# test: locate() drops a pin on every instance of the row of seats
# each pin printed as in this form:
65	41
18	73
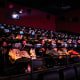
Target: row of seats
39	64
65	73
62	73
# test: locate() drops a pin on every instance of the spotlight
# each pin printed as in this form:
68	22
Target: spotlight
14	16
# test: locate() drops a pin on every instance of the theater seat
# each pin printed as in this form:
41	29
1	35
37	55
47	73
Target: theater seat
38	63
52	75
77	70
68	74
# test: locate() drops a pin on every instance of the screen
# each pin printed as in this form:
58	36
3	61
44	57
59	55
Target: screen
33	33
37	45
6	30
21	32
2	27
13	28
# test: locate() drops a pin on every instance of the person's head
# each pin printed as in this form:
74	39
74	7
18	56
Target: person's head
78	41
4	44
55	49
42	42
58	41
23	42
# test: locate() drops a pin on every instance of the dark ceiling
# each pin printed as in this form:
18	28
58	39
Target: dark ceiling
51	6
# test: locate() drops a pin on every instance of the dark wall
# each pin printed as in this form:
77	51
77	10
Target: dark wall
35	18
69	21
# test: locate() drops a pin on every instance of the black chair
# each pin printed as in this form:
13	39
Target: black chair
77	70
38	63
51	75
67	74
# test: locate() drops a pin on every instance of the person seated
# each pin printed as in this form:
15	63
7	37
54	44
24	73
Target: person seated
53	44
43	48
58	43
64	44
78	44
18	44
64	51
3	52
33	34
23	44
18	36
33	53
69	42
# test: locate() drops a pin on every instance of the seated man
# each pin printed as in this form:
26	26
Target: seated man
43	48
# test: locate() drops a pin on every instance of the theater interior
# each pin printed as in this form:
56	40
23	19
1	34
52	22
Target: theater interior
39	40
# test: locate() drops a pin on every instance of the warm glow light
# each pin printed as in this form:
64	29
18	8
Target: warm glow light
14	16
